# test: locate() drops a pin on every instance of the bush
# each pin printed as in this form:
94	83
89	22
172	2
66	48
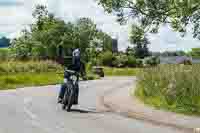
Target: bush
92	76
151	61
139	62
120	61
131	62
107	58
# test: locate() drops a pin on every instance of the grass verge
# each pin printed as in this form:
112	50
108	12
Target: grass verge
29	79
120	71
170	87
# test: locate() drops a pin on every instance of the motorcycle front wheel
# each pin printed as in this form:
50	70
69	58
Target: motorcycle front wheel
68	98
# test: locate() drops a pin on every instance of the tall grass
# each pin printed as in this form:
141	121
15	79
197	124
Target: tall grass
18	80
172	87
109	71
4	54
11	67
15	74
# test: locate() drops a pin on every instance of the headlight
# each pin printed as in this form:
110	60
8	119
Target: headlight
65	80
74	78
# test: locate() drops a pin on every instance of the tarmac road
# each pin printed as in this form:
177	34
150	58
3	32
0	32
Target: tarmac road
35	110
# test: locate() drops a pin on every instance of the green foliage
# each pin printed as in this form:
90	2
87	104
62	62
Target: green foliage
171	87
132	62
120	60
107	58
18	80
4	54
195	52
151	14
139	62
140	41
4	42
130	51
120	71
152	61
12	67
48	33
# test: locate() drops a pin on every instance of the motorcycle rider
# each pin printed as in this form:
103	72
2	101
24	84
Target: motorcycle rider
76	66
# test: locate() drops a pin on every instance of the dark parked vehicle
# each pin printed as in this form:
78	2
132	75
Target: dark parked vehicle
98	70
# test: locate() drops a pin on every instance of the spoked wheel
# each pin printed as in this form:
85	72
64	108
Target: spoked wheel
70	101
68	98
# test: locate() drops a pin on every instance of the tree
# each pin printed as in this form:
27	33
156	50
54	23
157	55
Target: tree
22	47
153	13
106	41
4	42
130	51
48	36
195	52
40	13
139	39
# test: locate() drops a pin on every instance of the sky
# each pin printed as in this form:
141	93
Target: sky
17	14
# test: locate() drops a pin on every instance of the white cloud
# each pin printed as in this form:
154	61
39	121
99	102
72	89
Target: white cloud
167	39
14	18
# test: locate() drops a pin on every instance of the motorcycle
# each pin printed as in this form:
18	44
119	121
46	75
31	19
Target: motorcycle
70	82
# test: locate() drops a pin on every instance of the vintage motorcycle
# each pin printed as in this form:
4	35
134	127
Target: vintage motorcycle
71	79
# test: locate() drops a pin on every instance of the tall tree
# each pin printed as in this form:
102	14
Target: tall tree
152	13
140	41
40	13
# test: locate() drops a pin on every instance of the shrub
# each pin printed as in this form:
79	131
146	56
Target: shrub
120	61
107	58
139	62
131	62
151	61
92	76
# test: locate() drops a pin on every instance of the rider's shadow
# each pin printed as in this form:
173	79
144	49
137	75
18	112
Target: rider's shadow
84	111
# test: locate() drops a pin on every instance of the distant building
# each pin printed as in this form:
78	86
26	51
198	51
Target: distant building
114	45
176	59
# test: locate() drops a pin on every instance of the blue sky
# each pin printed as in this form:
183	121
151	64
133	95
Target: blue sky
16	14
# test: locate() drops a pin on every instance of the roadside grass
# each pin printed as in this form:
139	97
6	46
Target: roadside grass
17	74
170	87
4	53
109	71
29	79
14	67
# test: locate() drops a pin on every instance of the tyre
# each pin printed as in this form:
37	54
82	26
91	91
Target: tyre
65	101
68	98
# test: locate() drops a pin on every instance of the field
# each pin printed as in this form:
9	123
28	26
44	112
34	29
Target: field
171	87
14	74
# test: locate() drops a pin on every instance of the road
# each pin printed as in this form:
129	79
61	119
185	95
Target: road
34	110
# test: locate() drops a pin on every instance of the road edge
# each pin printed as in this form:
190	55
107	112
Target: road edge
114	106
